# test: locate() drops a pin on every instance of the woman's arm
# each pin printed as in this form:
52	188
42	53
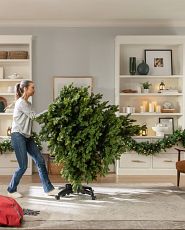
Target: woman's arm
25	107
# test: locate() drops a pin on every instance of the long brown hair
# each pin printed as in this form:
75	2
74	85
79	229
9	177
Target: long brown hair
19	88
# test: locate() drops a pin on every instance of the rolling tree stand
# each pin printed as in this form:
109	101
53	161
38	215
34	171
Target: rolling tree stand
69	190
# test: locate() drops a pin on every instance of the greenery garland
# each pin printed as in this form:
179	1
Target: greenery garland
5	146
146	148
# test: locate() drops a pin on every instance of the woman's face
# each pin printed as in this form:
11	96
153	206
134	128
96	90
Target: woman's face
30	90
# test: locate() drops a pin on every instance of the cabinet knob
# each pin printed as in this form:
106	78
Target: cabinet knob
138	161
13	160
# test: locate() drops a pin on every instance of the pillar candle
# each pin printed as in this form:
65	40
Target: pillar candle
145	106
151	110
154	105
158	108
142	109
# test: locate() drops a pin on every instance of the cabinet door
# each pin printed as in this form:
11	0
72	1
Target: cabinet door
165	160
8	160
133	160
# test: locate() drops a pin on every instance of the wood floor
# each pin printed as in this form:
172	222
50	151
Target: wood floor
110	178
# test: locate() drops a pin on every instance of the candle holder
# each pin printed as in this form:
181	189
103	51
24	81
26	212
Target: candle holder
144	130
161	86
9	131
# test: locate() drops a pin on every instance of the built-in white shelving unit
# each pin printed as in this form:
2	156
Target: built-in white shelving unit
23	69
134	46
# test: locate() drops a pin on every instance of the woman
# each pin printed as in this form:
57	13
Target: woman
23	143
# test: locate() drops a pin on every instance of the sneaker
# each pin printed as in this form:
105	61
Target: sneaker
15	195
53	192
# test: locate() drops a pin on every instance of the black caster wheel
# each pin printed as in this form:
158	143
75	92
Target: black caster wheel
93	197
57	197
62	195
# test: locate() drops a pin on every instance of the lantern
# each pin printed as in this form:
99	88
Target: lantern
162	86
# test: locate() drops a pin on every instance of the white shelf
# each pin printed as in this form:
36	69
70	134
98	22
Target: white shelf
153	114
14	60
5	138
11	80
151	76
151	94
7	94
4	80
144	137
6	114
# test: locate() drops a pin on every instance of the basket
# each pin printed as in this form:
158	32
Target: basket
54	168
3	54
167	110
18	54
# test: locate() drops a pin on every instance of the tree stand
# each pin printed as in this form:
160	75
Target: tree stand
69	190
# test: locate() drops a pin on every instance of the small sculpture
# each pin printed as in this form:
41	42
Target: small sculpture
160	129
14	76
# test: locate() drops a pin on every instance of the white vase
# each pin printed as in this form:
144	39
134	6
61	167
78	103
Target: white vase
138	88
145	90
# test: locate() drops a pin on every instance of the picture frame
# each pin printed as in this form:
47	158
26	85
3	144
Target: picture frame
169	122
159	61
60	82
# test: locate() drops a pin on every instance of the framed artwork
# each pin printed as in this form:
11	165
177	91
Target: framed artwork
168	122
159	61
60	82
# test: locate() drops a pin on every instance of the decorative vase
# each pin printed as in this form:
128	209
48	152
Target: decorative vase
143	68
132	65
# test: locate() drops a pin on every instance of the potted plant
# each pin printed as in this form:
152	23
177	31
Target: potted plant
84	134
146	86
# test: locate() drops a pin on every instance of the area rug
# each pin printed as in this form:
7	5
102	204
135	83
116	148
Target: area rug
117	206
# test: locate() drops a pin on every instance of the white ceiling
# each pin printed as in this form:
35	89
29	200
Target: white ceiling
92	12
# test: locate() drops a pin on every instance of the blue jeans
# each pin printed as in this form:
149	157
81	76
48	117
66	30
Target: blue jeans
22	146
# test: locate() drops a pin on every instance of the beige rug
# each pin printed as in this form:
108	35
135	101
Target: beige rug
118	206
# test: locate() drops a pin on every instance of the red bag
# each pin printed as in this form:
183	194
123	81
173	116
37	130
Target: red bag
11	213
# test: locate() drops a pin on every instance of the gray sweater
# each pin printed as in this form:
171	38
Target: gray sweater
22	117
